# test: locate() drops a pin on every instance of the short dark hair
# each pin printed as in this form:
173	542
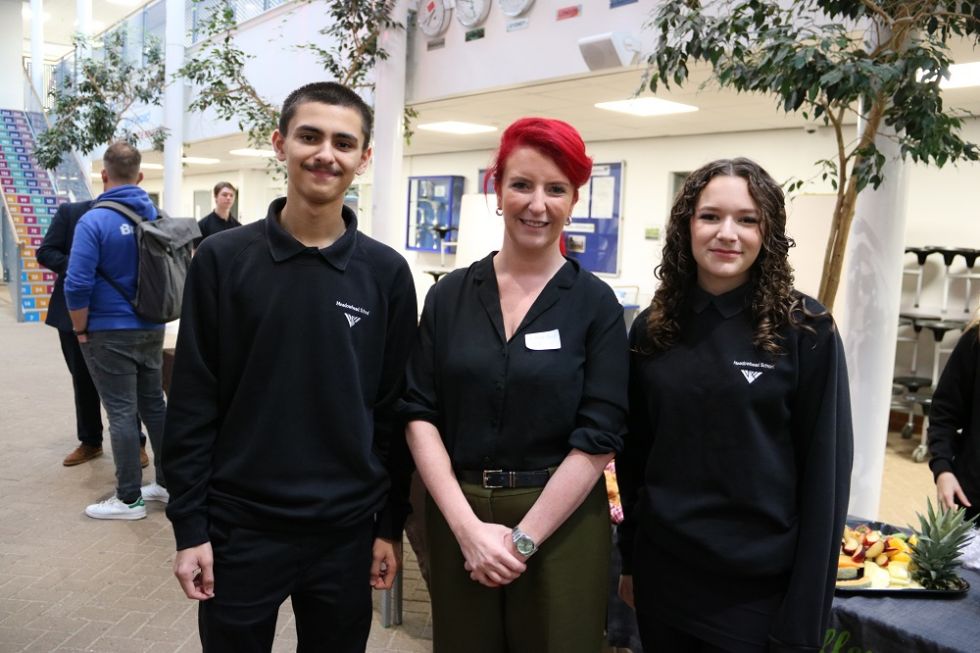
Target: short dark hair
327	93
221	185
122	162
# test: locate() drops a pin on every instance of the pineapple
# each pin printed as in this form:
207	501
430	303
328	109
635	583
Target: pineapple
936	554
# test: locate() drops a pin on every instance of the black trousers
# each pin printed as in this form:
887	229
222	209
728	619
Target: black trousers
88	412
326	575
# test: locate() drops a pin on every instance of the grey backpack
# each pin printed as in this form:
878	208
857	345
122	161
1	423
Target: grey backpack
165	246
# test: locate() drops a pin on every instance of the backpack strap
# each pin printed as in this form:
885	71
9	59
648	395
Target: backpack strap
133	217
127	212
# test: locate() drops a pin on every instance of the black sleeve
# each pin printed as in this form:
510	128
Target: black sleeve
53	251
823	437
602	409
389	433
193	416
631	463
421	398
952	403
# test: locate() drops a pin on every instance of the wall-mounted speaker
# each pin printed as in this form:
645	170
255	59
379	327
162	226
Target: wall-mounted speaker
609	50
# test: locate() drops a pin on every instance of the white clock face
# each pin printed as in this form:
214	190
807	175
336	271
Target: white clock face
471	13
514	8
433	17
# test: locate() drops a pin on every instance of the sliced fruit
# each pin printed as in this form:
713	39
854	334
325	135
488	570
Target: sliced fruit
871	537
850	546
875	549
882	560
901	556
847	568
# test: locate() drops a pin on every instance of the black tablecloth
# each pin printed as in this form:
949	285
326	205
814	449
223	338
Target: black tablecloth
903	624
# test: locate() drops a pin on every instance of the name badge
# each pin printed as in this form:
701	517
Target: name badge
543	340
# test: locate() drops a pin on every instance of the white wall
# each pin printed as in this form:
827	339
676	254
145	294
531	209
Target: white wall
501	58
12	88
278	67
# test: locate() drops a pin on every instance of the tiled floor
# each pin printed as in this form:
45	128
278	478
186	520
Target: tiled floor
70	584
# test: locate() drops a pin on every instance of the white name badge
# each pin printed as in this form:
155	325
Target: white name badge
543	340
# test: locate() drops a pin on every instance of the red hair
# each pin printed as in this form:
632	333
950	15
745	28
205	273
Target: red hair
555	139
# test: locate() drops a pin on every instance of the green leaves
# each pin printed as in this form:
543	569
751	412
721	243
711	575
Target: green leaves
812	58
95	108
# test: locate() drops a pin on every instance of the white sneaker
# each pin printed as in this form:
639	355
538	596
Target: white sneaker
155	492
115	509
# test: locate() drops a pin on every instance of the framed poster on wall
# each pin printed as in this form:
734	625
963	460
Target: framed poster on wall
593	238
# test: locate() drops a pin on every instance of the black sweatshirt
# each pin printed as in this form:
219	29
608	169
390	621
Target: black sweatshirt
212	224
289	360
737	463
955	408
558	384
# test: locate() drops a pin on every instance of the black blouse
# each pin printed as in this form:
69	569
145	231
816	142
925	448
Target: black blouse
558	384
738	462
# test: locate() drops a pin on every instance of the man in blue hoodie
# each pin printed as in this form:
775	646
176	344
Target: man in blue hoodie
123	351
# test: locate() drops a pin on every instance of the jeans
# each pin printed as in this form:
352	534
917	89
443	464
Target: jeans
88	412
127	369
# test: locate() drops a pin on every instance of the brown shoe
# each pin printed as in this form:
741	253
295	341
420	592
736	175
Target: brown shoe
82	454
144	459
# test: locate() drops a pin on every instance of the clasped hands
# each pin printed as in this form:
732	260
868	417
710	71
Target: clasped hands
490	555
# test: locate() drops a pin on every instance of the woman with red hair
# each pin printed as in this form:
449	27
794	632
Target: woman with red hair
516	399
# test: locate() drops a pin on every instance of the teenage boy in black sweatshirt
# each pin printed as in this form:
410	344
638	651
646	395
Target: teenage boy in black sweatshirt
287	470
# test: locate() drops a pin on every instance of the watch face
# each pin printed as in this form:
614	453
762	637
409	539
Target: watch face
514	8
433	17
471	13
524	546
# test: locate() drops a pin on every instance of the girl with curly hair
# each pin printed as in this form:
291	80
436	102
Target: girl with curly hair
737	464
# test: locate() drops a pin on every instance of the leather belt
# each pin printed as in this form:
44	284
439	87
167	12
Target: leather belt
493	479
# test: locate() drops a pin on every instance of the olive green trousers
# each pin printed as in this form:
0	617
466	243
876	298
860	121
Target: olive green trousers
558	605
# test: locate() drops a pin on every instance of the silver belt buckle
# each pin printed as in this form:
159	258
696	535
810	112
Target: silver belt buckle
486	483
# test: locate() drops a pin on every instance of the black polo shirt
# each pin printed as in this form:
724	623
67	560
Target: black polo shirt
558	384
288	362
737	463
212	224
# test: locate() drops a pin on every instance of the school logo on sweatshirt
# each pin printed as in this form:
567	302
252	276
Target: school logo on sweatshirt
349	313
755	369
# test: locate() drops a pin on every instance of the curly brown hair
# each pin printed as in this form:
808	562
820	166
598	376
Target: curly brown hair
774	302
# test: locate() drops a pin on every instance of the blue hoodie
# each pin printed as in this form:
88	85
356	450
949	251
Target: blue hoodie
106	239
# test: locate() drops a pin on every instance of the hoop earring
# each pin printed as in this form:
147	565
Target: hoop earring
499	211
568	221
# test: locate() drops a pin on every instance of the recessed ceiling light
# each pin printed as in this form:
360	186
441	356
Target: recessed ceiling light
126	3
151	166
646	106
251	151
454	127
962	75
200	160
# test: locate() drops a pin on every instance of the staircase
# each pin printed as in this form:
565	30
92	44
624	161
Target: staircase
31	201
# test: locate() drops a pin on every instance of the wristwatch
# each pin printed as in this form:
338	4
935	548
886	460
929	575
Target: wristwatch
523	543
80	332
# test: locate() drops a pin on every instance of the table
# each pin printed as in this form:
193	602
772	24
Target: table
887	624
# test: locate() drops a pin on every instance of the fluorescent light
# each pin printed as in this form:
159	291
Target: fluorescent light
646	106
962	75
151	166
126	3
454	127
251	151
201	160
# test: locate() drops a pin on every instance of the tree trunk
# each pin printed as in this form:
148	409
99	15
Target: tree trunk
840	228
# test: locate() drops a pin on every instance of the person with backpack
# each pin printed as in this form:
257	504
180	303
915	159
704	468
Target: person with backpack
123	351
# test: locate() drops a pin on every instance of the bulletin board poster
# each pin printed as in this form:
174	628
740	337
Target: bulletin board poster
593	237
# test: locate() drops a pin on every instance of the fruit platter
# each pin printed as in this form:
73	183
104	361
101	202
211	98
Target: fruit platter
877	559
